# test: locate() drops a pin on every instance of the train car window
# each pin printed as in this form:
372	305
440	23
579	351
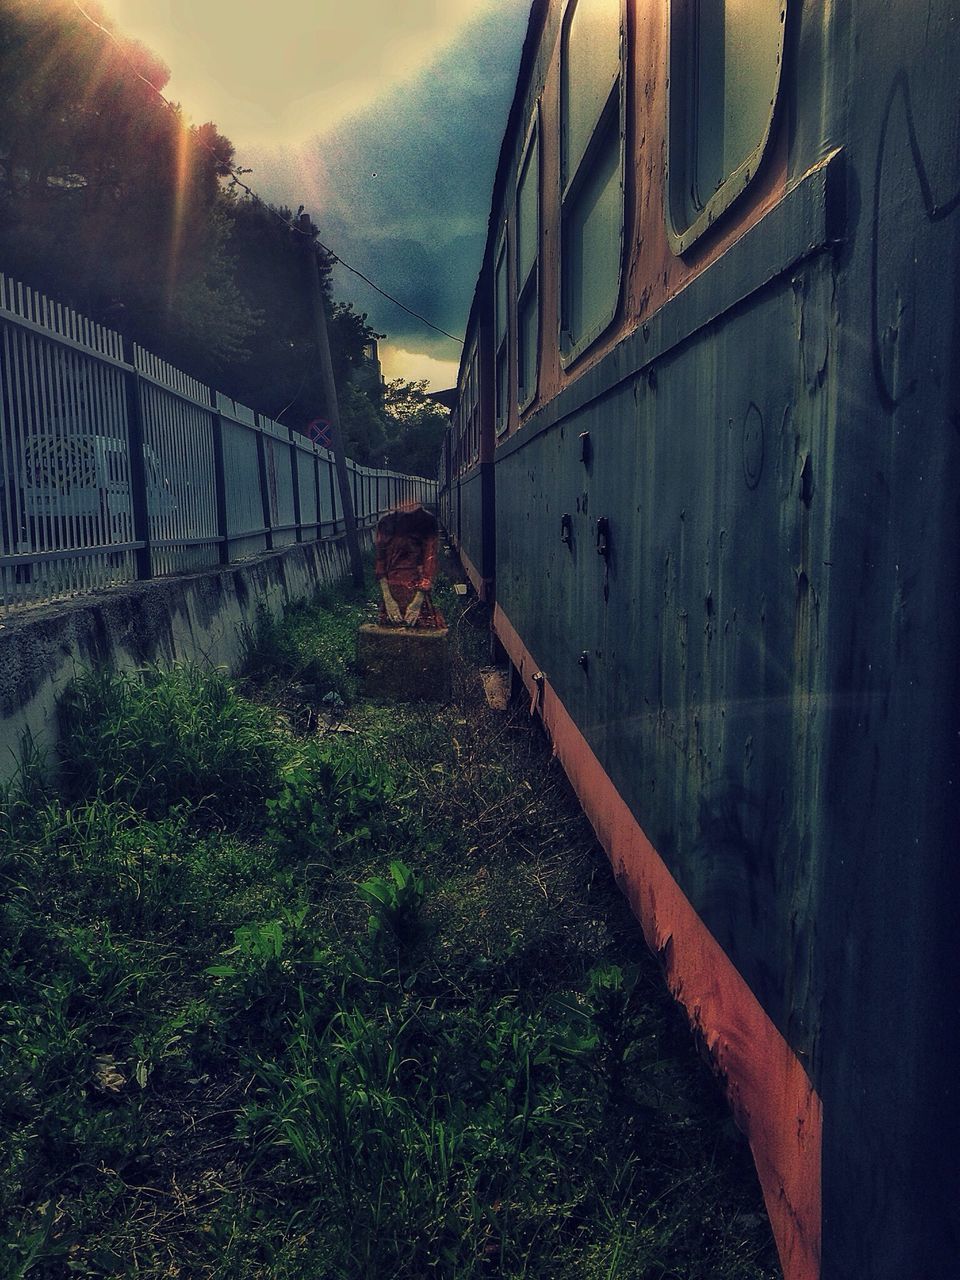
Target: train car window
591	170
460	428
468	415
725	60
465	420
501	329
475	400
528	258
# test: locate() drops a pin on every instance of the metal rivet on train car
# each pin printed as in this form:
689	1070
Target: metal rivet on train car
584	660
566	530
586	451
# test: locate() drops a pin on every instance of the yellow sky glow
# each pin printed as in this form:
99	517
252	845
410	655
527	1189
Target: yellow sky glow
411	365
284	71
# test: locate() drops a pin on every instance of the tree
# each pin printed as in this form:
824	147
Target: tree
108	200
415	426
364	428
110	203
281	375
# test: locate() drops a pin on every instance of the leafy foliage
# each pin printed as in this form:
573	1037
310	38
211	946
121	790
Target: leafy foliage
312	648
415	426
332	797
396	903
109	201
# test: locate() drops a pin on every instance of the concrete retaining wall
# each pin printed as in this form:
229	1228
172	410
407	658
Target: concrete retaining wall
199	617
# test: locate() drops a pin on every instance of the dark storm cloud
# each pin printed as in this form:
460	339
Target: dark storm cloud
402	189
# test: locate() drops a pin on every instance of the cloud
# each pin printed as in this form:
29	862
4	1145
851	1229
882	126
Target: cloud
269	72
401	190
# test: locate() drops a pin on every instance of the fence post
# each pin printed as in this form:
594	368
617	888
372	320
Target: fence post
220	480
139	497
333	497
318	532
295	477
264	488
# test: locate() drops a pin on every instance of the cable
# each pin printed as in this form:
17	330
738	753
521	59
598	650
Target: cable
278	416
238	181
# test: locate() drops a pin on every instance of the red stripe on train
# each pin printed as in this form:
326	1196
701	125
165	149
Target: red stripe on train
480	584
772	1098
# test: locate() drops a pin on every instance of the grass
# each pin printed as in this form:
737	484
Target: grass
165	738
305	660
338	991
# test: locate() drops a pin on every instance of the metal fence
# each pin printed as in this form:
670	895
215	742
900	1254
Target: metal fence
116	466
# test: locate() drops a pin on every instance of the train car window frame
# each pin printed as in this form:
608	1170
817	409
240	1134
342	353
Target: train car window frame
608	127
690	212
528	288
475	402
501	336
467	422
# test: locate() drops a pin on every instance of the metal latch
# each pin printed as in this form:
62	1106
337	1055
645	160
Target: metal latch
537	695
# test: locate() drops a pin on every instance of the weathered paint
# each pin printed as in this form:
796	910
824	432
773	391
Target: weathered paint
771	682
476	527
468	508
770	1093
655	273
480	584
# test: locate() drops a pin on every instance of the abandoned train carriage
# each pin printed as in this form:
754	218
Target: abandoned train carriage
711	373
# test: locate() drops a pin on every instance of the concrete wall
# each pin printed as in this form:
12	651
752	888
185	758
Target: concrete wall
199	617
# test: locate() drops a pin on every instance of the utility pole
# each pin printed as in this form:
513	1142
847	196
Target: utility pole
332	406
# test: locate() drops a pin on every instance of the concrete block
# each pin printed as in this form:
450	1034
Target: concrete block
404	665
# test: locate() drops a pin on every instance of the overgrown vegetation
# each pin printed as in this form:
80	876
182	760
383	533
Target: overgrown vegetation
166	738
373	1008
305	662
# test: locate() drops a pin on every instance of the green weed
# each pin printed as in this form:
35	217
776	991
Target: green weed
165	737
310	651
397	904
334	797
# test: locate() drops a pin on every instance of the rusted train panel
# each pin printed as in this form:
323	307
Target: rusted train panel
719	391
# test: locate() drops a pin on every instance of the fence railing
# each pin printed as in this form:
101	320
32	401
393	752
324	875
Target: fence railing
116	466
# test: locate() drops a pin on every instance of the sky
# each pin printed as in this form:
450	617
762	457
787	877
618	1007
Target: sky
382	117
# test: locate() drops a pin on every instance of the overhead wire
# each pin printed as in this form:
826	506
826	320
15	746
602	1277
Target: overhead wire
237	180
